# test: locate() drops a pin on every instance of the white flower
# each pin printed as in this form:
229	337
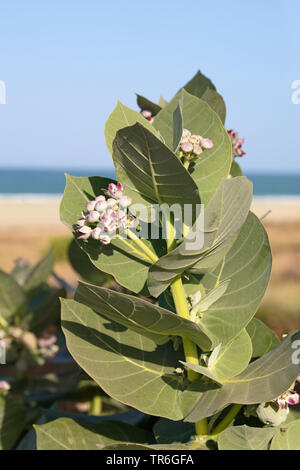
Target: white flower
192	145
4	385
125	201
91	205
93	217
268	415
85	232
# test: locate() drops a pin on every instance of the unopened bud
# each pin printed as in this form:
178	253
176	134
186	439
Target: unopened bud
93	217
85	232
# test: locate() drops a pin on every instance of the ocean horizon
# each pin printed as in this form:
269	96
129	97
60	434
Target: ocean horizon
46	184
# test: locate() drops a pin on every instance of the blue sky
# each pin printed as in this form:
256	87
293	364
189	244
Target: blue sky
65	63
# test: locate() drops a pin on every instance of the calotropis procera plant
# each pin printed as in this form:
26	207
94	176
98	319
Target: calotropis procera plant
184	346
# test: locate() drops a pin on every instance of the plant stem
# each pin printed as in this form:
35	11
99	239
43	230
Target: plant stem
186	164
227	419
96	405
151	256
201	427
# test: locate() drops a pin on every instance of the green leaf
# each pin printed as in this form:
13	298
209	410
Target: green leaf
235	169
199	118
66	434
127	366
47	313
248	266
263	339
139	315
287	437
177	127
196	445
199	84
233	357
83	266
245	438
147	105
223	219
13	300
216	102
227	361
12	420
151	173
40	272
122	117
168	432
121	258
262	381
162	102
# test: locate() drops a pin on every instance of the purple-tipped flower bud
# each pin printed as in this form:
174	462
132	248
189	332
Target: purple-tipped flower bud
85	232
197	149
125	201
4	385
207	144
96	233
80	222
101	206
93	217
187	147
104	239
91	205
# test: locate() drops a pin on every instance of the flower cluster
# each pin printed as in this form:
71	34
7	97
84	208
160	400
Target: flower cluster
147	115
236	144
36	349
104	217
275	412
192	145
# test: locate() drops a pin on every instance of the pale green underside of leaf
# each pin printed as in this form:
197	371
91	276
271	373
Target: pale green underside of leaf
263	380
223	219
66	434
139	315
121	117
263	339
248	266
199	118
12	421
288	438
129	367
245	438
231	359
150	171
121	258
13	299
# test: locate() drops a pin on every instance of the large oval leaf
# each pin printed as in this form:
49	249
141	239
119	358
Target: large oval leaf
263	339
121	258
150	171
245	438
66	434
199	118
248	266
129	367
287	437
12	420
223	219
139	315
12	297
263	380
122	116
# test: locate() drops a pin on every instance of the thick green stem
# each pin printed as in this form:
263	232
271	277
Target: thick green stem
96	405
186	164
227	419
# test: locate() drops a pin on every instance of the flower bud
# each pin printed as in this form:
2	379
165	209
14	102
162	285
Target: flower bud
197	149
85	233
101	206
111	203
91	205
185	133
105	239
269	415
96	233
187	147
4	385
125	201
207	143
16	333
80	222
93	217
100	198
29	340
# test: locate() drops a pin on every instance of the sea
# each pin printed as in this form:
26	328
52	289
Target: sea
48	184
